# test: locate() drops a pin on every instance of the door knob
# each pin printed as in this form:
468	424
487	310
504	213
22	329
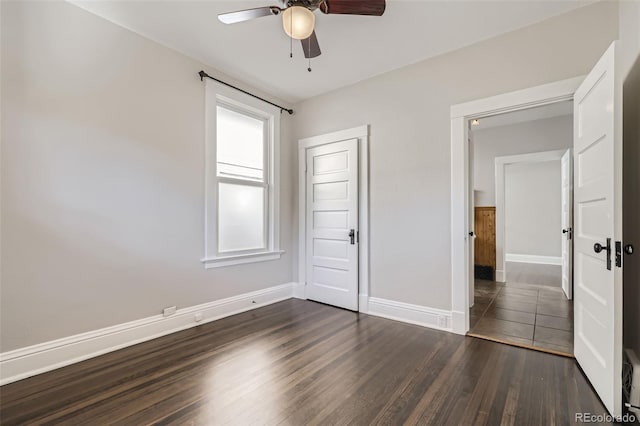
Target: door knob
628	249
597	247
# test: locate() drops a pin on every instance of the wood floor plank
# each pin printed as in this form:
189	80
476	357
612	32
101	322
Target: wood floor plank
298	362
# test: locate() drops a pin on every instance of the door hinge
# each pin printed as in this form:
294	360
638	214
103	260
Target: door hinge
619	254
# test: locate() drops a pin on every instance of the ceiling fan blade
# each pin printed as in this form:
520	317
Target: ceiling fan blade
353	7
310	46
248	14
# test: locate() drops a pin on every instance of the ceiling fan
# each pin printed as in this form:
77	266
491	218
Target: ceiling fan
298	19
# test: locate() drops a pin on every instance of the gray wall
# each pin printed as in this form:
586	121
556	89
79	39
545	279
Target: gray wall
521	138
409	113
533	209
102	165
103	179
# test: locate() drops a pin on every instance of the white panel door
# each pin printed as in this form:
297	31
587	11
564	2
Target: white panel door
471	219
597	288
332	224
567	224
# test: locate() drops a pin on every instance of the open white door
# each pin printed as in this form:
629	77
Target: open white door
472	225
332	224
598	223
567	224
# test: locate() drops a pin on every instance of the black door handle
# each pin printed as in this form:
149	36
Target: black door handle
352	236
597	247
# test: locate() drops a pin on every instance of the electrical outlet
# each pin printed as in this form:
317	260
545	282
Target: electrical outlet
198	317
169	311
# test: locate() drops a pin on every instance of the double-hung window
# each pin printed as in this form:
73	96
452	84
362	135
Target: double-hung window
241	217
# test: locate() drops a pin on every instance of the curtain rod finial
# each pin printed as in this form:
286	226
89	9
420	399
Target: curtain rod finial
202	75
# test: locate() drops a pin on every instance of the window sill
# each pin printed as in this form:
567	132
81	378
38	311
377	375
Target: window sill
220	262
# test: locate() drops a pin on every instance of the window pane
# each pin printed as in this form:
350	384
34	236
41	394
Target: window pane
240	145
240	217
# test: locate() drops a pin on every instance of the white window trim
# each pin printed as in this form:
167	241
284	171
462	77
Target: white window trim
214	93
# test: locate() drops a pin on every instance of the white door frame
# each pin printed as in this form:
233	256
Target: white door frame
362	134
460	221
501	164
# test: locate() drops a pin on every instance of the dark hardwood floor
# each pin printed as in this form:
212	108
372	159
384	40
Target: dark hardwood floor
298	362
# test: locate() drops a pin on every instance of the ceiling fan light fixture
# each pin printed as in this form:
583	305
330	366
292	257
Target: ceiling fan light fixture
298	22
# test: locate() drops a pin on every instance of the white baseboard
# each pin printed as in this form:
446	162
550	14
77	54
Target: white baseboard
530	258
298	291
412	314
29	361
500	276
458	323
363	303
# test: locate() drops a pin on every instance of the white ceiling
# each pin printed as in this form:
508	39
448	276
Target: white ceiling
353	47
557	109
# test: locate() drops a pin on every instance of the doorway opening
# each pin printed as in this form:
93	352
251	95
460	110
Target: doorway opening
597	232
521	181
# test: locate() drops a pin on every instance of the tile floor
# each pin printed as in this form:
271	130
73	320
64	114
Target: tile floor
537	315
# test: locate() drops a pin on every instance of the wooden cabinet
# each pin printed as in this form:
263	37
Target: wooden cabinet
485	242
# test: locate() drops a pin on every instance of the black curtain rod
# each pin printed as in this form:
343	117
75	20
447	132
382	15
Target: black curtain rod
203	74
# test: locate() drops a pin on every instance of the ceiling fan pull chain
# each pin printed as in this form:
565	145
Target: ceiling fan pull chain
309	69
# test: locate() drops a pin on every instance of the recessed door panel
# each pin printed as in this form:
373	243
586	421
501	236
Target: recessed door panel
588	161
331	163
333	249
593	218
330	191
331	277
331	219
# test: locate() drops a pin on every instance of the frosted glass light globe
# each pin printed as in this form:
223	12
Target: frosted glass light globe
298	22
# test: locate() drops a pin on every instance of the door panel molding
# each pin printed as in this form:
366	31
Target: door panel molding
361	133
